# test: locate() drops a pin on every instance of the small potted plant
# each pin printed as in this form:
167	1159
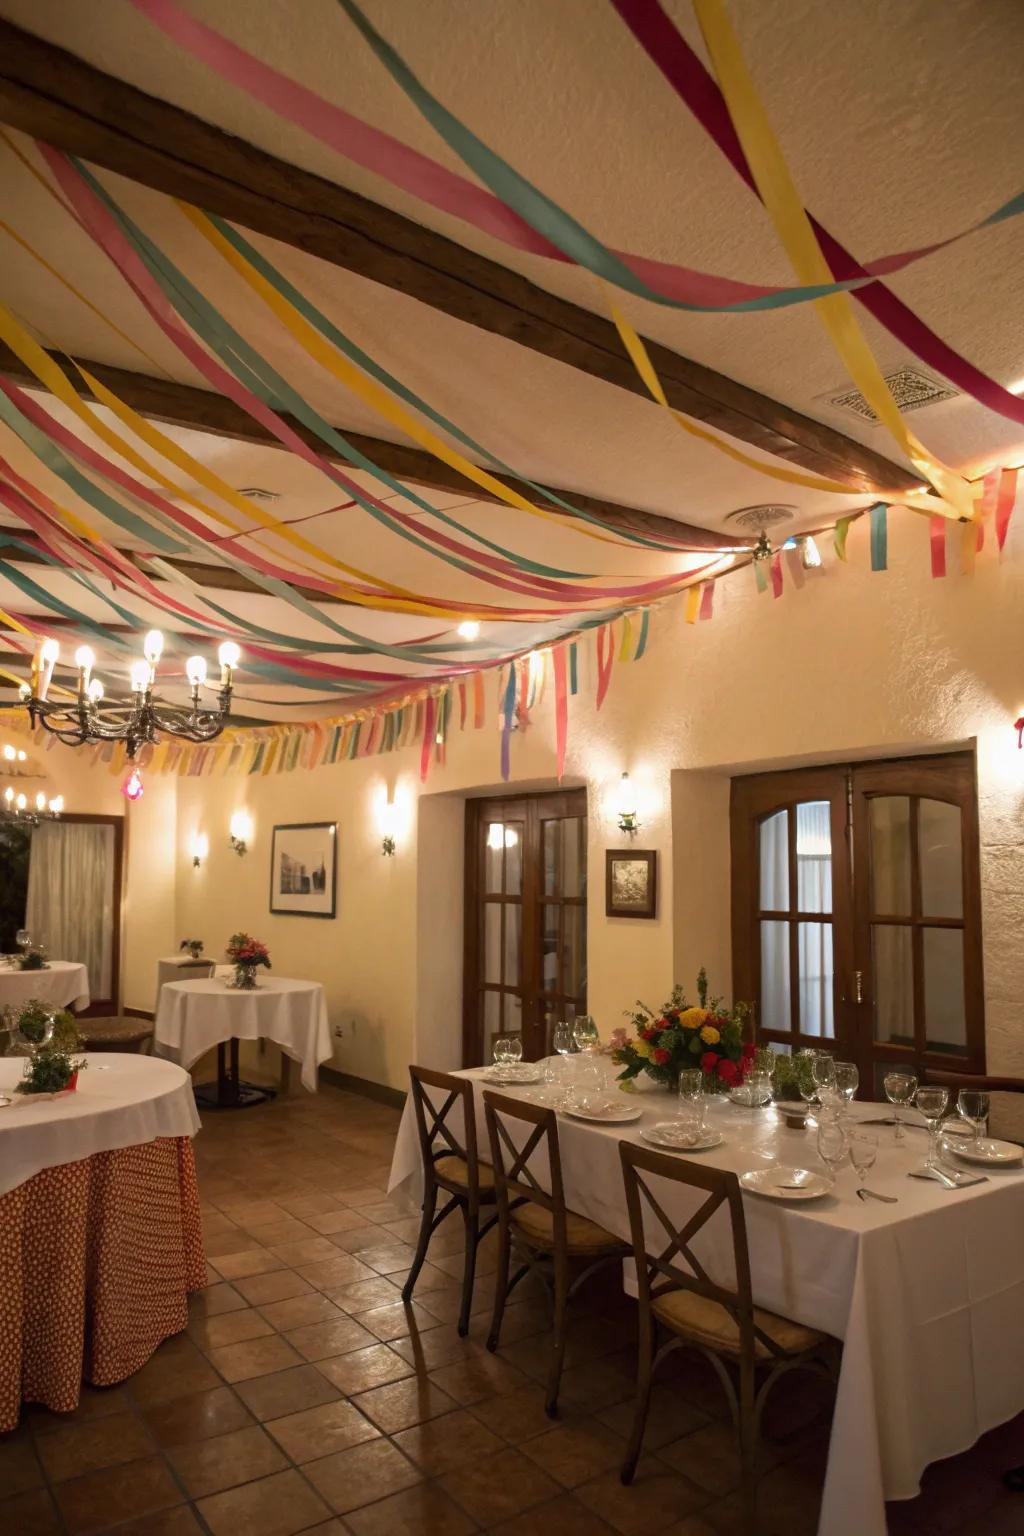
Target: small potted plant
51	1070
33	959
194	947
246	955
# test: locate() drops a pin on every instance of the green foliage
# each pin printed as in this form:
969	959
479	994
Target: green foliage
34	960
711	1033
49	1071
65	1033
33	1020
792	1075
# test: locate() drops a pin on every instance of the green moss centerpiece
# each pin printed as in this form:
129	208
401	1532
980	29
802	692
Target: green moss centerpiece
53	1066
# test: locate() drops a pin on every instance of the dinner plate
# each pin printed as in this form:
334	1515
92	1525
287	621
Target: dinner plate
508	1079
780	1183
994	1154
614	1114
661	1135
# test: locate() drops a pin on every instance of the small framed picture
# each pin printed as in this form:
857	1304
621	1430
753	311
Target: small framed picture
631	882
303	869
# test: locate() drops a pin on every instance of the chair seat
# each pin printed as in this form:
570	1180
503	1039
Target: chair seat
536	1226
708	1322
455	1170
116	1034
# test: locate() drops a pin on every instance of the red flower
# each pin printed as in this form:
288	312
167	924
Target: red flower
728	1071
750	1049
708	1062
661	1056
650	1032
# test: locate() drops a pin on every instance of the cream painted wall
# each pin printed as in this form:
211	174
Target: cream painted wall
854	665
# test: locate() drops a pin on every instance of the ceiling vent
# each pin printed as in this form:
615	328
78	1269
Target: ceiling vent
257	493
757	519
909	387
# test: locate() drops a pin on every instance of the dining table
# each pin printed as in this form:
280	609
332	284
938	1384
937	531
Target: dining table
60	983
926	1293
100	1235
195	1016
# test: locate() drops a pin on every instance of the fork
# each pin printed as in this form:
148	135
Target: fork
870	1193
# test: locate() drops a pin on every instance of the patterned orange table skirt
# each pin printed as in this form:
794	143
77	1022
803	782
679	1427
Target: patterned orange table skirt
97	1259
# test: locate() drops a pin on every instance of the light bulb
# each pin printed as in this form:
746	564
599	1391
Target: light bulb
241	826
139	676
96	690
40	801
9	753
8	794
50	652
229	655
21	802
57	805
153	647
468	629
21	755
85	660
195	671
25	692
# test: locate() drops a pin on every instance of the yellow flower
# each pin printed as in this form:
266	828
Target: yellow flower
692	1018
709	1034
641	1047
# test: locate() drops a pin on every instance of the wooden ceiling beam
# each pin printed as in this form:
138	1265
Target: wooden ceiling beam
55	96
201	410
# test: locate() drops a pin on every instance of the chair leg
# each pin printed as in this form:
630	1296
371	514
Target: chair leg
561	1300
644	1382
747	1429
423	1241
471	1220
500	1283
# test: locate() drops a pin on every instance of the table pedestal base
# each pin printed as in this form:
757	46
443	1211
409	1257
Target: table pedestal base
229	1091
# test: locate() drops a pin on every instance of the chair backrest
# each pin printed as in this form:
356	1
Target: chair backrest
434	1123
675	1266
515	1183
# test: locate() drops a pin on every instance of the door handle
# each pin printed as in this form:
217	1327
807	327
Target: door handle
858	986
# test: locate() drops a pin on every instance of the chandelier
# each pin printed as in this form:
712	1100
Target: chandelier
140	719
16	808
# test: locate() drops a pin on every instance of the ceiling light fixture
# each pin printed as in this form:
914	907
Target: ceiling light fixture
16	808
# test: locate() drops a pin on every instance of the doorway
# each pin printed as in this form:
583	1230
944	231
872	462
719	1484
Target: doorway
857	912
525	919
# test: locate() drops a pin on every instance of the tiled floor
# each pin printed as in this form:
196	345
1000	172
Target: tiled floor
305	1397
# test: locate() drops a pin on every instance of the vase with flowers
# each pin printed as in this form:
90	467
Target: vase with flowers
247	955
708	1035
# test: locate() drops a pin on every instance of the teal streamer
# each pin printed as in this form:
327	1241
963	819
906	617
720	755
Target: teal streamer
641	644
573	676
55	604
879	536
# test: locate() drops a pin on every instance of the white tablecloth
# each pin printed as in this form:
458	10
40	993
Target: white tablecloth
122	1100
193	1016
64	984
927	1295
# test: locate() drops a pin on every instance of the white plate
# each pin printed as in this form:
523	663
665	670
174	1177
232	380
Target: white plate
512	1079
613	1115
993	1153
671	1143
786	1183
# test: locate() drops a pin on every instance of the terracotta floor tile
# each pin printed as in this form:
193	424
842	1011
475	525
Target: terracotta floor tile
332	1274
256	1357
431	1348
199	1417
19	1467
178	1369
232	1240
403	1403
274	1506
355	1239
482	1375
299	1311
252	1213
440	1445
388	1258
318	1432
180	1521
276	1233
364	1294
395	1320
421	1511
573	1453
313	1202
497	1487
270	1397
516	1417
709	1457
445	1306
208	1466
657	1498
330	1221
564	1516
107	1497
364	1196
309	1250
429	1279
30	1514
595	1385
365	1368
280	1286
670	1416
215	1300
86	1447
229	1328
320	1341
251	1261
361	1475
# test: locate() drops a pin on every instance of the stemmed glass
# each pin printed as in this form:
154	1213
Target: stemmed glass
833	1144
23	939
691	1093
863	1151
933	1103
900	1088
584	1033
847	1080
808	1086
972	1106
508	1049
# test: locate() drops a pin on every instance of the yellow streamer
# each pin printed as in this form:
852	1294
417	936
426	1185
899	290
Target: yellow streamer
783	203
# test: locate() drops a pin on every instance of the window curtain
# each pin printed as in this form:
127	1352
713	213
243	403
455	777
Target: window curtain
70	905
814	940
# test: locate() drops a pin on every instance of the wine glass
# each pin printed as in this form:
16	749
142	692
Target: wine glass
805	1080
584	1033
933	1103
972	1106
823	1071
863	1151
508	1049
847	1079
900	1088
833	1144
691	1091
561	1038
23	939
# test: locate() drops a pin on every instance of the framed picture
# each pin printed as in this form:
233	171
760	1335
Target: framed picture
303	869
631	882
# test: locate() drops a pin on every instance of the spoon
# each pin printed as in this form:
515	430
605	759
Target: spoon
870	1193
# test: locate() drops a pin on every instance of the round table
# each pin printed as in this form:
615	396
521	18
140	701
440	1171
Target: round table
100	1237
194	1016
63	984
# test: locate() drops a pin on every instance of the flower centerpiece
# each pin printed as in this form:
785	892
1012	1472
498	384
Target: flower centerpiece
707	1035
246	955
194	947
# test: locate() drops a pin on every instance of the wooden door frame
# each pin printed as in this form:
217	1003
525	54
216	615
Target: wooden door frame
94	1009
478	809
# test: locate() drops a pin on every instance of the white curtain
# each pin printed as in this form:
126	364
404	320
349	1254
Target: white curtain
70	905
814	940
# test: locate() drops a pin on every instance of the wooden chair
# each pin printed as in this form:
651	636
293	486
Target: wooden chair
550	1238
451	1166
677	1295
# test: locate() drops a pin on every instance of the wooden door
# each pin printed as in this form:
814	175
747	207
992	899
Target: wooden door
525	919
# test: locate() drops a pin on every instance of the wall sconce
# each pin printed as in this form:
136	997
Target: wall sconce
388	821
200	847
625	807
241	831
